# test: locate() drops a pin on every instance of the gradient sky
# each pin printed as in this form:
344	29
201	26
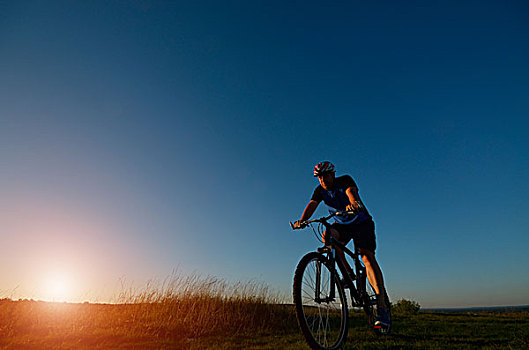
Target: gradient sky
141	137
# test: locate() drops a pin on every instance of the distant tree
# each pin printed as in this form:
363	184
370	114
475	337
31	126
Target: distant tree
406	307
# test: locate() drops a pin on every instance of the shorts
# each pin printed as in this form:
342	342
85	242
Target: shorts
363	234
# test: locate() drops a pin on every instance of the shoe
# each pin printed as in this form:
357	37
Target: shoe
382	319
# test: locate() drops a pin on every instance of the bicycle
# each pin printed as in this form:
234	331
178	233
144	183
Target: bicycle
319	295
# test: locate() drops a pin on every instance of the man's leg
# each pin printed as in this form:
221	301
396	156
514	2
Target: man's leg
374	275
341	254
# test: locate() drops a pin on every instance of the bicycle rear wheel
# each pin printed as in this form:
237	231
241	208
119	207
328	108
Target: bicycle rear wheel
321	305
371	307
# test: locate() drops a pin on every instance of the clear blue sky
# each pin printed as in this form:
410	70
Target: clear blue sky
138	137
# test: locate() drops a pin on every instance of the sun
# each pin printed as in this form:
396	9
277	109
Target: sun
57	287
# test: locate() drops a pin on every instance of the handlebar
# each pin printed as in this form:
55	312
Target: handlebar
322	220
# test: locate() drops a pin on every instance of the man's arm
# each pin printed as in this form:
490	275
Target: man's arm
307	213
354	199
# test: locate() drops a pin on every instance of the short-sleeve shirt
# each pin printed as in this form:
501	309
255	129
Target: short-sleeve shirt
336	199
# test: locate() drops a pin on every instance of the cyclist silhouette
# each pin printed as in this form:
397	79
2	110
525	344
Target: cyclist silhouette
341	194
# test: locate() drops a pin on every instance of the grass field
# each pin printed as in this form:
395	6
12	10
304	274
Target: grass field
39	325
205	313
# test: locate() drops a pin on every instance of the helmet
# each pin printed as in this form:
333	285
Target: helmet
323	167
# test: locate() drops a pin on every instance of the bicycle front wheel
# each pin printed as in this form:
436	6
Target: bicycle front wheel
321	305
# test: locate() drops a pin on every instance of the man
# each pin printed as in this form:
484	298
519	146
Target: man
341	194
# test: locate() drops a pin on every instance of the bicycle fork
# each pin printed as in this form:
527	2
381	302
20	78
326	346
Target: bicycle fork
332	277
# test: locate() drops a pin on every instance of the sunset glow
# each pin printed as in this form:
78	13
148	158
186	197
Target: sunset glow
153	153
57	287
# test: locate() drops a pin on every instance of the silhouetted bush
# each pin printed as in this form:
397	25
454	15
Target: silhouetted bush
406	307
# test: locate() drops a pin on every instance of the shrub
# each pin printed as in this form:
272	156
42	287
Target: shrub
406	307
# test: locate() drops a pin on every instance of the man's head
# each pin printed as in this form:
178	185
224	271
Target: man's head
325	173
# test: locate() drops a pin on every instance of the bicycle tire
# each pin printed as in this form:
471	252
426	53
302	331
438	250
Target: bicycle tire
323	324
369	301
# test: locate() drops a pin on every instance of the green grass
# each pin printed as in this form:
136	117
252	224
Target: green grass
422	331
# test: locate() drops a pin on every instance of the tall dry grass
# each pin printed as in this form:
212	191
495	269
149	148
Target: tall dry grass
178	309
195	306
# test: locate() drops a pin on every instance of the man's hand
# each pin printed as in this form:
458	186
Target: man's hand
298	224
351	207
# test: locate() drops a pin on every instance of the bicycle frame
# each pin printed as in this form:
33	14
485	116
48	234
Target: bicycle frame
355	295
356	300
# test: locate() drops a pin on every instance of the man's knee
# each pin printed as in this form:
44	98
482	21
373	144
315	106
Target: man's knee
368	257
326	234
